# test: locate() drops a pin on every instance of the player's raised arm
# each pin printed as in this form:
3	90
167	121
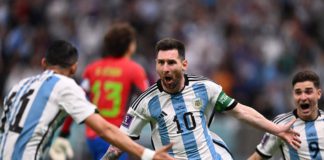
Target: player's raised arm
113	135
257	120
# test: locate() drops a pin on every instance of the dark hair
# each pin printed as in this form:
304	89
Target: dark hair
118	39
61	53
169	44
306	75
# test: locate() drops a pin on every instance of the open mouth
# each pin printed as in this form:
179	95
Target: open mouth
304	106
168	79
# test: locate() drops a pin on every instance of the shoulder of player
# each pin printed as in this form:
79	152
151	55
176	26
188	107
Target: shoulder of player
283	118
65	81
194	78
39	77
132	64
25	80
126	62
94	64
146	96
19	85
321	113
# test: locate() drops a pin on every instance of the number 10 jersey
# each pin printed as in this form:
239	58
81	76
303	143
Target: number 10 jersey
182	118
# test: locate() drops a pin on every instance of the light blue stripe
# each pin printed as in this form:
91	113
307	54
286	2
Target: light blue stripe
188	138
292	152
201	92
34	115
156	112
312	137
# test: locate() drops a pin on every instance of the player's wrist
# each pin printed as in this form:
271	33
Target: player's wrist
147	154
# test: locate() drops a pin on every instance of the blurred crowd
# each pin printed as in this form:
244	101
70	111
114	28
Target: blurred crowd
250	47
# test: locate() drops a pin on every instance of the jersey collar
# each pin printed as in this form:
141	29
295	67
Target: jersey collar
296	115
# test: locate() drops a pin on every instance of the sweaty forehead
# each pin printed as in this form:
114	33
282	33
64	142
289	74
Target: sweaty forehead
167	54
304	85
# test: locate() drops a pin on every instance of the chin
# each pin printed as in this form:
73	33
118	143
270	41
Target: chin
308	115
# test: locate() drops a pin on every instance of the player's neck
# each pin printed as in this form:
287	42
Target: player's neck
128	55
310	117
58	70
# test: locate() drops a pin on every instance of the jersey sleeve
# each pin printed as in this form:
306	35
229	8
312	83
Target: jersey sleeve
270	143
218	98
135	120
73	100
268	146
140	78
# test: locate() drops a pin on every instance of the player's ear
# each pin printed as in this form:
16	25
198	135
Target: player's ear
184	65
73	69
43	63
131	48
319	92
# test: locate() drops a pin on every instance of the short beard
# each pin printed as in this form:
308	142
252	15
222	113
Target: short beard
171	86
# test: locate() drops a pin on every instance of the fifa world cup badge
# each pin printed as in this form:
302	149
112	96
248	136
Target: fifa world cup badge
127	120
197	103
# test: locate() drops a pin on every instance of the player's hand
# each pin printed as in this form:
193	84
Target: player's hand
61	149
162	153
112	153
289	135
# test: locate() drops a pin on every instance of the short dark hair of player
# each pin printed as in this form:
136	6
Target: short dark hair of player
61	53
306	75
118	40
169	44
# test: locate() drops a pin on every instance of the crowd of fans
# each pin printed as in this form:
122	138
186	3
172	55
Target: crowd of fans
250	47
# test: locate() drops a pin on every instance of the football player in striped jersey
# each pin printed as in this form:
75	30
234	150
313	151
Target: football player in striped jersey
37	105
310	122
179	108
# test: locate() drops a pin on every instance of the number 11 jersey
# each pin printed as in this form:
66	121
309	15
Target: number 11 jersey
34	109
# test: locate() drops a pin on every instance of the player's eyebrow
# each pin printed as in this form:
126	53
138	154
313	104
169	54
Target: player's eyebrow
305	90
166	60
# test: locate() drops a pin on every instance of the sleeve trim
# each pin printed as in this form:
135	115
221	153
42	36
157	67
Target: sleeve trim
96	111
233	105
134	138
262	155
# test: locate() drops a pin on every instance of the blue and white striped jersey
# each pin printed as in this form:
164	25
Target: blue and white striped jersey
182	118
311	135
33	110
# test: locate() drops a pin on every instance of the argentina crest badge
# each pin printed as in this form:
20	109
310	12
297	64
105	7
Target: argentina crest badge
197	103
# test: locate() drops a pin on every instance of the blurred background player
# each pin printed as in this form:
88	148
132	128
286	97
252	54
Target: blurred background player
110	83
306	94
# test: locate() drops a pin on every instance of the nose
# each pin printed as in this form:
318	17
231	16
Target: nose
165	67
303	96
